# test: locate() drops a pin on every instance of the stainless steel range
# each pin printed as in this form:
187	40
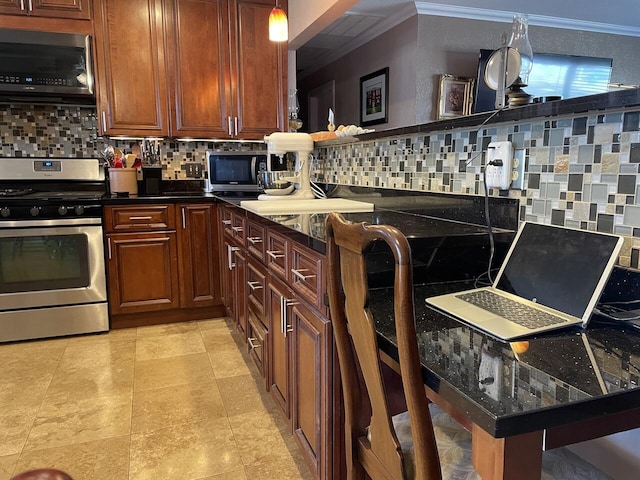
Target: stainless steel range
52	268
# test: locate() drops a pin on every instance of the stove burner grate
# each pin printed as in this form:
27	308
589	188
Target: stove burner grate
15	192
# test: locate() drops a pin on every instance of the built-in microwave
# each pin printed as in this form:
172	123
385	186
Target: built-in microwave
234	171
45	64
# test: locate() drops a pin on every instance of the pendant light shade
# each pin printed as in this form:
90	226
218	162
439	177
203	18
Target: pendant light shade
278	25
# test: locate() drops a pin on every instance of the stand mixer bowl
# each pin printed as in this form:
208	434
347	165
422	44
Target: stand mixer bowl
277	183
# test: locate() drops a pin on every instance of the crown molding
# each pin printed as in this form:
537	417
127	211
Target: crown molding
473	13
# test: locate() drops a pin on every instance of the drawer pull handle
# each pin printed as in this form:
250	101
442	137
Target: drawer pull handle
255	285
275	254
254	240
252	345
300	275
230	263
237	229
226	222
140	218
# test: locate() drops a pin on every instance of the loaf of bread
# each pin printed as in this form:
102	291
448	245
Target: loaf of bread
319	136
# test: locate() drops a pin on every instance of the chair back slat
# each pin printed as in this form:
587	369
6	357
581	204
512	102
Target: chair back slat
365	396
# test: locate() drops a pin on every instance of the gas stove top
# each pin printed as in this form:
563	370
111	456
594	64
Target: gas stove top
50	188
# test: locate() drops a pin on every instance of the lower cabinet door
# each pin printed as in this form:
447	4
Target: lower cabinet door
279	343
311	362
198	246
143	272
257	342
240	290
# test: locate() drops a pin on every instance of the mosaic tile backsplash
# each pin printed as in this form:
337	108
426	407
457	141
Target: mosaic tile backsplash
581	170
70	131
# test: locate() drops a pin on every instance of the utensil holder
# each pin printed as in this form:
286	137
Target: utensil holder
123	180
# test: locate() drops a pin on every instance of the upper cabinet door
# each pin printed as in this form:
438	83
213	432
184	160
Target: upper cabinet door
197	52
258	70
131	71
77	9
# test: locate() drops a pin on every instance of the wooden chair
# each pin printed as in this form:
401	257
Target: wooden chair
372	441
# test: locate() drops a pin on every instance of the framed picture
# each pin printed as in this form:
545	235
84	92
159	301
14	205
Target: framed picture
456	96
374	98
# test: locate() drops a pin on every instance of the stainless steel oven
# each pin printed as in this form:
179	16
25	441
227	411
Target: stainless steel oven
52	268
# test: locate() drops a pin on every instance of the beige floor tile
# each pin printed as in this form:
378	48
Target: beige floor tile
259	439
167	372
167	329
235	475
218	340
75	421
278	470
241	394
149	347
222	323
99	352
8	464
179	404
231	364
106	459
14	428
30	358
79	381
18	392
184	452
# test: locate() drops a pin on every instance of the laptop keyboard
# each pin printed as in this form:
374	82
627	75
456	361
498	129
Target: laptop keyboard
516	312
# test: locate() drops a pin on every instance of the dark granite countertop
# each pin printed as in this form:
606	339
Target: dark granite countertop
512	388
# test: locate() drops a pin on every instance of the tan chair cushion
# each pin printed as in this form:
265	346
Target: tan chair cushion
454	450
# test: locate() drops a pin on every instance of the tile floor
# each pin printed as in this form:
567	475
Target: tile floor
176	401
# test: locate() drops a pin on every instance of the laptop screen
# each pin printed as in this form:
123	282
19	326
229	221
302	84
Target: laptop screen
558	267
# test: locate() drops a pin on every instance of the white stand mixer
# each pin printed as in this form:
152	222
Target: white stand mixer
301	144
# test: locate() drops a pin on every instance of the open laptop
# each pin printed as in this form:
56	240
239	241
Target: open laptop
551	278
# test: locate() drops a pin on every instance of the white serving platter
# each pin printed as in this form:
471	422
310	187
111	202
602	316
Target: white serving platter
319	205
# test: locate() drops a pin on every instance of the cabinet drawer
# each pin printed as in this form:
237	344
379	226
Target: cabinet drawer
306	275
225	221
255	239
137	218
257	342
257	288
238	229
276	254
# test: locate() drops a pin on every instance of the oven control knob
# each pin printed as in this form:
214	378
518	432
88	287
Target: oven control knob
62	210
79	210
34	211
5	212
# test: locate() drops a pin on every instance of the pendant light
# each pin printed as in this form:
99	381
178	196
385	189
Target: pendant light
278	25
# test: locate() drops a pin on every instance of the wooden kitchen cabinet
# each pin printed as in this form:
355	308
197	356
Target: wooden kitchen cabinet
162	258
130	67
197	68
311	406
197	250
77	9
258	71
143	272
289	335
279	298
234	271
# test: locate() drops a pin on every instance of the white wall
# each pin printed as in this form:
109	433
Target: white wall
422	48
451	45
396	49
